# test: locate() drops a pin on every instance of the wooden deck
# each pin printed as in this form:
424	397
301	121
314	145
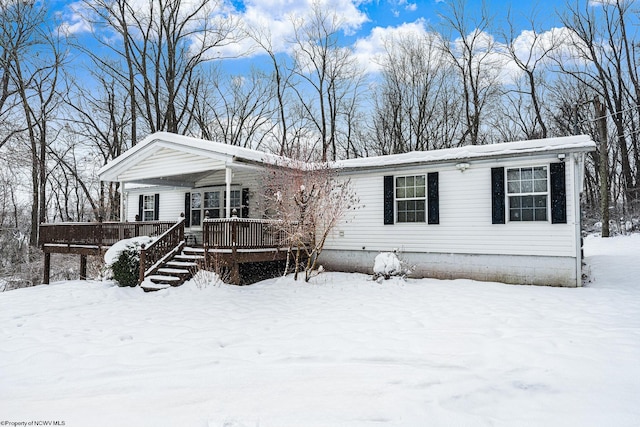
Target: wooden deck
229	242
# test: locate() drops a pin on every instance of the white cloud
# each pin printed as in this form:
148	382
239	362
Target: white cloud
397	5
556	44
275	16
74	19
273	19
368	49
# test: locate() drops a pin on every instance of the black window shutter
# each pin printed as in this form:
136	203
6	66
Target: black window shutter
156	207
140	205
558	194
497	196
187	209
388	200
245	203
433	198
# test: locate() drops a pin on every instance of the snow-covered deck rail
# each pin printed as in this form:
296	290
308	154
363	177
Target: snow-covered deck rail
244	233
91	238
167	245
235	241
97	234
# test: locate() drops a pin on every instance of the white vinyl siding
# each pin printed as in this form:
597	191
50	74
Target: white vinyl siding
171	202
465	218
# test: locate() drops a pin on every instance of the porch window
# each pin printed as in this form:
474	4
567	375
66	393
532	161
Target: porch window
411	198
528	193
148	208
212	202
236	202
196	208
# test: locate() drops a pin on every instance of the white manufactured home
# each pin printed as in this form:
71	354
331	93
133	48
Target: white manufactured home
506	212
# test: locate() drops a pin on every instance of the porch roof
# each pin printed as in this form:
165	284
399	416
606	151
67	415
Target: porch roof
165	158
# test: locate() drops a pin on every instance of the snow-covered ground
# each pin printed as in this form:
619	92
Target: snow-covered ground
342	351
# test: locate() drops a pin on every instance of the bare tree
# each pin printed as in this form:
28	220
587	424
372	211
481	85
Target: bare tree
607	64
410	111
308	200
237	110
282	83
329	71
97	128
35	79
473	52
529	56
161	49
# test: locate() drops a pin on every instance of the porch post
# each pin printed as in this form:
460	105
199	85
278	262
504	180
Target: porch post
83	267
227	181
47	268
122	200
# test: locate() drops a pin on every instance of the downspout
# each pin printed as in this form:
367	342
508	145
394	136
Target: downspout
227	182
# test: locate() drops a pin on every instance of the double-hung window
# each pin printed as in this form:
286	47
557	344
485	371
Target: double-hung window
148	207
528	193
212	206
410	198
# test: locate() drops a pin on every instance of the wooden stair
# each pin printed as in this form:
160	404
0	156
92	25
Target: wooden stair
175	271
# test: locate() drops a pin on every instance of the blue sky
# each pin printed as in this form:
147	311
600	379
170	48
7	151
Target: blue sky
366	22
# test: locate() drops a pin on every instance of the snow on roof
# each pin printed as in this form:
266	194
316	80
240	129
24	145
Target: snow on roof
232	151
579	143
506	149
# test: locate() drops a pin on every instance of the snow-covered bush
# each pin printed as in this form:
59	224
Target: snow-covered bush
387	265
126	269
122	260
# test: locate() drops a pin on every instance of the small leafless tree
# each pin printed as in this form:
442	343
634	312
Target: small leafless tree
308	200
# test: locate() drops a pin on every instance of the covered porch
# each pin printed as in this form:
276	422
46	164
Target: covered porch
167	176
185	192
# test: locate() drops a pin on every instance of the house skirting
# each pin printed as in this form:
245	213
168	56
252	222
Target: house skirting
513	269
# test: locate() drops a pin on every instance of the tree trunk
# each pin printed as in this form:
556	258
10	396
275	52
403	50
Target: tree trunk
604	166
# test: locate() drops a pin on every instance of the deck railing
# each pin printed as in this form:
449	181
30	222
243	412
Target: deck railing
170	242
243	233
98	233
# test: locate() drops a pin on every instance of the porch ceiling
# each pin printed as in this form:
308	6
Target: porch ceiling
186	180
